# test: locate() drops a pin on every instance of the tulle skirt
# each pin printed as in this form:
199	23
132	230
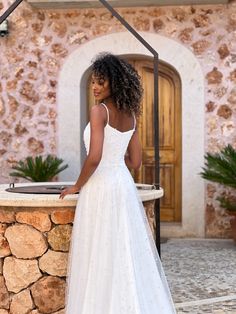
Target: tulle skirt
113	264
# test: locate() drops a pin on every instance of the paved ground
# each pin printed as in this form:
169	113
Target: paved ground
201	275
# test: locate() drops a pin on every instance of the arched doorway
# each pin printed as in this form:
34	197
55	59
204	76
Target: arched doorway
170	133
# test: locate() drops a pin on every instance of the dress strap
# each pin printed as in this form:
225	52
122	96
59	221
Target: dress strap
107	112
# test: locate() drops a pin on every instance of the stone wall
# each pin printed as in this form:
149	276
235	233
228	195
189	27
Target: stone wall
34	250
32	55
34	245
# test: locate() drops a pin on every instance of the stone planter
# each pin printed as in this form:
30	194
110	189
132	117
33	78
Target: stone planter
35	235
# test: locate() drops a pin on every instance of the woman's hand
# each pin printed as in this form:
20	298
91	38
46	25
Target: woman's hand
71	190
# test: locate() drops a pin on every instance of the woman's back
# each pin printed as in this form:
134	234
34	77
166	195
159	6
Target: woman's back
119	120
115	141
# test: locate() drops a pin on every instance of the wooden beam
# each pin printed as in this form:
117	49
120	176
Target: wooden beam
69	4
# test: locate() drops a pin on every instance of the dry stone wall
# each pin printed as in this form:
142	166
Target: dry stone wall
32	55
34	248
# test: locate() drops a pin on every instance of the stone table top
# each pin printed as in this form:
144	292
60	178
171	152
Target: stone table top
49	200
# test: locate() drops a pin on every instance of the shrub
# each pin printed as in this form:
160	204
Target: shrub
37	169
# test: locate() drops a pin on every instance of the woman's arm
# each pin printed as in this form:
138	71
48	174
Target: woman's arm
97	121
133	157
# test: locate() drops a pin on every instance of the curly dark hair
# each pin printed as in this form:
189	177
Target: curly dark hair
124	81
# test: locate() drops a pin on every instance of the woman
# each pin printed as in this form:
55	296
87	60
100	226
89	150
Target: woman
113	265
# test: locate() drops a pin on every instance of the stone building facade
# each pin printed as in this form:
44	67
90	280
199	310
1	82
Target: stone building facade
40	42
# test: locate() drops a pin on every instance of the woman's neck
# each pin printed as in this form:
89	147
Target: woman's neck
109	101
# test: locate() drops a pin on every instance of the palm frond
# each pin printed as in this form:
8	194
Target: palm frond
38	169
221	167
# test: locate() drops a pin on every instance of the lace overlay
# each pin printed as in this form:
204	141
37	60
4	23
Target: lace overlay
113	264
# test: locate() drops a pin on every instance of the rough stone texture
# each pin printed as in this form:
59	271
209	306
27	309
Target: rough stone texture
233	225
219	92
77	37
227	128
185	35
35	146
13	104
3	311
19	273
60	312
3	228
59	50
2	151
4	295
232	97
25	241
27	112
217	219
232	22
38	220
54	263
34	312
7	217
4	247
149	208
5	137
158	24
224	111
49	286
20	130
200	46
28	92
223	51
21	303
59	237
60	28
2	107
232	76
210	106
214	77
1	265
179	14
63	216
201	20
211	189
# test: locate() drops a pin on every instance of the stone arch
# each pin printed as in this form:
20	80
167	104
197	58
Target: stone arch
71	99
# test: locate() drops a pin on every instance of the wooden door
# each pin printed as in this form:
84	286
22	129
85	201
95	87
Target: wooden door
170	135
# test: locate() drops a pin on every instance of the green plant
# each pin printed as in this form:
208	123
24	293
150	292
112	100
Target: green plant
37	169
221	168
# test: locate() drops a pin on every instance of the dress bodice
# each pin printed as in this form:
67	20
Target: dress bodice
115	143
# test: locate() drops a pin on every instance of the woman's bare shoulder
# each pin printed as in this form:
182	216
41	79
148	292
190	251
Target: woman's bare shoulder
97	113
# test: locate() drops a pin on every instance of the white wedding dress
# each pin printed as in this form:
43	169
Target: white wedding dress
113	264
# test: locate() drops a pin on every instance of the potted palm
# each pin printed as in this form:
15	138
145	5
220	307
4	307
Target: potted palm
38	169
221	168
